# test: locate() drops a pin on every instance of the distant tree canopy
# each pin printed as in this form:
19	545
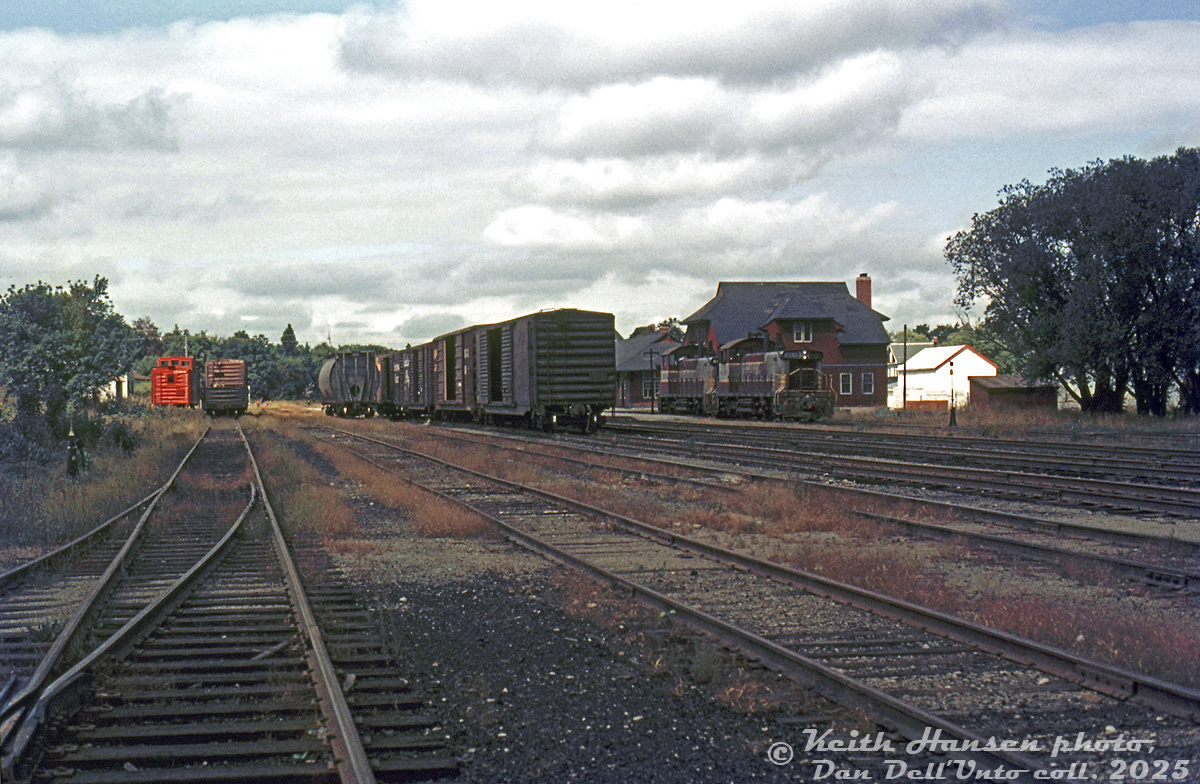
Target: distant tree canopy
671	326
58	347
274	371
1094	279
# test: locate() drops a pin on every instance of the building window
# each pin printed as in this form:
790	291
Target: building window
802	332
647	388
846	383
868	383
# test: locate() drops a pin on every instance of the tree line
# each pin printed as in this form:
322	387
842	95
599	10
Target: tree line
61	345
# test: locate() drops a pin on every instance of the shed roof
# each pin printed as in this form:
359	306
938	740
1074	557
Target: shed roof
1009	381
740	308
913	347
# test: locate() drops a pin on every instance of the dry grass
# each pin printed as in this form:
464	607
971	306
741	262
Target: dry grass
432	516
299	495
48	509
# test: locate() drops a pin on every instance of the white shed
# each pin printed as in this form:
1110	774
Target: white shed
937	377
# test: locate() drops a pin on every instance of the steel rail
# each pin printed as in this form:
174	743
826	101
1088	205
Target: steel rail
351	757
63	552
1099	676
63	691
1151	498
908	720
71	638
1154	573
979	514
1153	457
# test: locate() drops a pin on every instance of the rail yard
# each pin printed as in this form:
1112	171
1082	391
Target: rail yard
665	600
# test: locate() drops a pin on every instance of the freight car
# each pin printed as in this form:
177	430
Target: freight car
225	389
746	380
349	384
544	370
174	382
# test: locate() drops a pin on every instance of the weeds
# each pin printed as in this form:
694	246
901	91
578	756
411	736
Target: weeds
46	509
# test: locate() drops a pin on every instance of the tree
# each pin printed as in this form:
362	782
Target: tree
1094	278
59	347
288	341
670	325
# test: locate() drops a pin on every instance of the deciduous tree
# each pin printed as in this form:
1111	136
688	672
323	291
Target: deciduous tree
1094	278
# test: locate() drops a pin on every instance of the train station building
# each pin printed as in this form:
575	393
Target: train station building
811	316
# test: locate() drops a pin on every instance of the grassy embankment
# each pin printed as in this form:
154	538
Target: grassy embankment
310	503
46	507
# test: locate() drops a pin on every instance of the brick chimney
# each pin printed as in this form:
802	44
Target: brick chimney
863	289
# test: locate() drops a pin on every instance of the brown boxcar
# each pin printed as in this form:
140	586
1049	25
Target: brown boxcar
174	382
225	390
557	367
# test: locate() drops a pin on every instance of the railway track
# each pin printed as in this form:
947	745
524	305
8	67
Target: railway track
202	656
1162	482
1092	456
1153	559
914	671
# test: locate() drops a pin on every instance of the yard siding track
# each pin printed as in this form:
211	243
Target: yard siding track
912	677
227	675
1157	560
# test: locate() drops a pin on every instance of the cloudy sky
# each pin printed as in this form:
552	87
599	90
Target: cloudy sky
381	172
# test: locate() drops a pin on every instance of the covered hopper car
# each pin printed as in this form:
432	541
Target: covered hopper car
349	384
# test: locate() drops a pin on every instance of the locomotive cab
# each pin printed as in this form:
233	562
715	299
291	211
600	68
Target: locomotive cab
808	393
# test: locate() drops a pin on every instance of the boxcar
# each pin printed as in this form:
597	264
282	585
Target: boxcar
405	388
552	368
174	382
543	370
349	384
225	390
453	374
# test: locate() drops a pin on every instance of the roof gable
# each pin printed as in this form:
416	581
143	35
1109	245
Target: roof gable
631	351
741	308
937	356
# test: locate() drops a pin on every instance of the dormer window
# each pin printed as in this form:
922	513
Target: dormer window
802	332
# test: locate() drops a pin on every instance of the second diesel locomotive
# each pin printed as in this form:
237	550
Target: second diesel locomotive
746	380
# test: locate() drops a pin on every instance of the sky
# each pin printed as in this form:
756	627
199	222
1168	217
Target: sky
384	173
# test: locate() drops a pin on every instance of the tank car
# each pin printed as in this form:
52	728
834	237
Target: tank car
349	384
225	390
174	382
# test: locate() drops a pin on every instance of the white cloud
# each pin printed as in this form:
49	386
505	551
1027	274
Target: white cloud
1094	80
388	172
550	44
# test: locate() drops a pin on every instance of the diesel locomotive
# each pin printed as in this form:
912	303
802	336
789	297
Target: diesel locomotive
746	380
